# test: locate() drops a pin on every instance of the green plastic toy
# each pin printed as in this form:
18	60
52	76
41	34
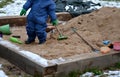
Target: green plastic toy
15	40
5	29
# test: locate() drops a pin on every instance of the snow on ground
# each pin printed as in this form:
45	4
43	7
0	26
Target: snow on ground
2	73
115	73
15	8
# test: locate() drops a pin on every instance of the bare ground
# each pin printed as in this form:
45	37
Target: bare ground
11	70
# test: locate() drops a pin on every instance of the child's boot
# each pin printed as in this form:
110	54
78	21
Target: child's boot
29	41
42	42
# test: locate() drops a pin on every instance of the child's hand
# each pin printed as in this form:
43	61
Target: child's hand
55	22
23	12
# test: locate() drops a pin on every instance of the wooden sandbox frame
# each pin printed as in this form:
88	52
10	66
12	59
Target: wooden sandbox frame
80	62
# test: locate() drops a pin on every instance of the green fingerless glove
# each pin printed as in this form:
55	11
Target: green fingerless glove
55	22
23	12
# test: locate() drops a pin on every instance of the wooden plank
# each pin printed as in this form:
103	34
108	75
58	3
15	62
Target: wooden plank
25	63
21	20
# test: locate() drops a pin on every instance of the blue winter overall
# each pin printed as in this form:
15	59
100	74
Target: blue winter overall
37	17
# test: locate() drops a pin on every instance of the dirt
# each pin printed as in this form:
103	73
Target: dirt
11	70
102	24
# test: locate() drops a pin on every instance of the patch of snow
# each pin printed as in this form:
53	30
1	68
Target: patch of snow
55	61
12	8
113	73
87	74
40	60
110	4
35	57
2	74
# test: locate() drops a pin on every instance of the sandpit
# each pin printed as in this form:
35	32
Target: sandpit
102	24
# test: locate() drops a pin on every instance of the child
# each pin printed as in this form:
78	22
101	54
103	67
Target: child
37	18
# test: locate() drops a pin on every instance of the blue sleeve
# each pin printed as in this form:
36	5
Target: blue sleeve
27	5
51	12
